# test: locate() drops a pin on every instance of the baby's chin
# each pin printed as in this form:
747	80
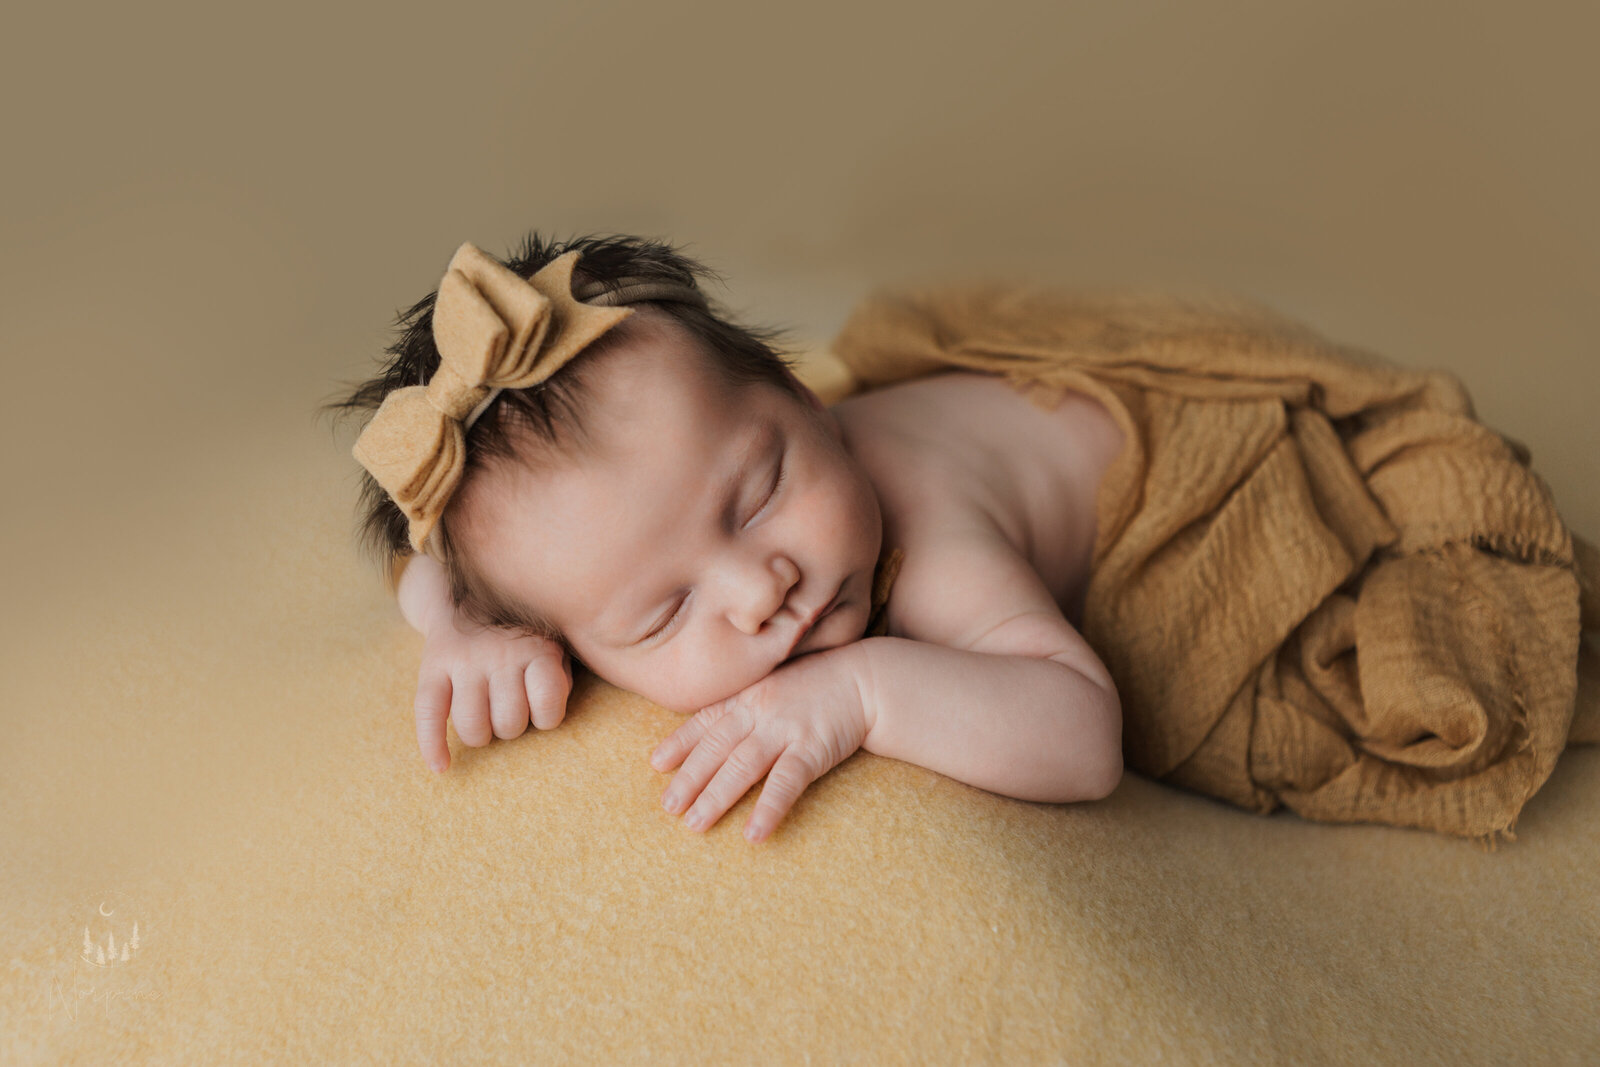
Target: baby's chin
850	622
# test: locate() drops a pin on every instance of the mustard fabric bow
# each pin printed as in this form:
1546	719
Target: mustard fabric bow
494	330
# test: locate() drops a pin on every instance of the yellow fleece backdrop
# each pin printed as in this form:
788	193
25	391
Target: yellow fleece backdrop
211	216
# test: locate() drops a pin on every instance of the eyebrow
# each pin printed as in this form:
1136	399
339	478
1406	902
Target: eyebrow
756	447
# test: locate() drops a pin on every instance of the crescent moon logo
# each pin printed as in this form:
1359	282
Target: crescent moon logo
109	941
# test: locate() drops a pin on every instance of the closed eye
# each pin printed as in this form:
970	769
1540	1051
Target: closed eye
659	630
783	474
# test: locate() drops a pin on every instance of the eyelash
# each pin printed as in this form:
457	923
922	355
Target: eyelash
661	631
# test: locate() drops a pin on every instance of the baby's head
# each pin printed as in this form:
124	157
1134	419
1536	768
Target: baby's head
625	507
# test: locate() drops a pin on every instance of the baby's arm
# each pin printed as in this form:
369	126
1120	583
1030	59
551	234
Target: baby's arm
491	681
995	687
990	685
1021	725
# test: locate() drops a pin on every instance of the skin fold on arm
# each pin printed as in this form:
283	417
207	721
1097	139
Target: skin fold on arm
1034	729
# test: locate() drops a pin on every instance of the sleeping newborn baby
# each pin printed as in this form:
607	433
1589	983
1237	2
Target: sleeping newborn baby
677	511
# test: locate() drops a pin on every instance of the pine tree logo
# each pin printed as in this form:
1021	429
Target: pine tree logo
101	945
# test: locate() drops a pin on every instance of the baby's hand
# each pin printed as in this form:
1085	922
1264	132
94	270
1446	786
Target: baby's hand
800	721
483	677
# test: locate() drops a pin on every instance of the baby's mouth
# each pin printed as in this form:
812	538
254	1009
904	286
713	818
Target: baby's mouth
828	609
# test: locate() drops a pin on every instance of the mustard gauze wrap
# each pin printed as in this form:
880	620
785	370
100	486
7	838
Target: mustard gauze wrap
1317	580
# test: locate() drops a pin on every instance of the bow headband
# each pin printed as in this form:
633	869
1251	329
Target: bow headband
494	330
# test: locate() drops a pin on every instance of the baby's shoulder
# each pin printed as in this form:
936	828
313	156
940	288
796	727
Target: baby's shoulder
935	489
973	476
931	433
920	457
963	583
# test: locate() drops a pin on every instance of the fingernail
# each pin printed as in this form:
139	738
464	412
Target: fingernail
655	760
751	833
670	801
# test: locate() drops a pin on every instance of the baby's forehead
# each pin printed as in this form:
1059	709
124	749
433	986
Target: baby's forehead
655	439
657	401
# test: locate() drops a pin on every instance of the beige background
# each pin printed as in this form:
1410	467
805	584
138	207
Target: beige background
211	214
211	217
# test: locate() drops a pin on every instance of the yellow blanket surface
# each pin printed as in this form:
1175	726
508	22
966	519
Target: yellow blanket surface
211	742
1318	580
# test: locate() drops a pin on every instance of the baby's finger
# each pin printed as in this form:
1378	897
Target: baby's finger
711	752
508	704
742	769
684	738
789	778
469	707
433	711
548	683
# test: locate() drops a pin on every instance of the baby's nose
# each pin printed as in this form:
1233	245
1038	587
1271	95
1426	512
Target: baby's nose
764	594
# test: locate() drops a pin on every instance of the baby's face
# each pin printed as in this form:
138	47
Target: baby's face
675	560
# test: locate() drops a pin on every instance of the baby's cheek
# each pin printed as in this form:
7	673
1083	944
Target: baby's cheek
712	684
860	513
691	676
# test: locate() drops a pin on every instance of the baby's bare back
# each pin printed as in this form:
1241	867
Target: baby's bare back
967	454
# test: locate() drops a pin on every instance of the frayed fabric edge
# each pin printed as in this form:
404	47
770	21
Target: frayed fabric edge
1492	840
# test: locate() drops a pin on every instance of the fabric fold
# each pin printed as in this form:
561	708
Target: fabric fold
1318	580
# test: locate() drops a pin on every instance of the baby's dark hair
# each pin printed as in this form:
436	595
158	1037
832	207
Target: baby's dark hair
551	416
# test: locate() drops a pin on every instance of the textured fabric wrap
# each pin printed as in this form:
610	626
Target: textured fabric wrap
1318	581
